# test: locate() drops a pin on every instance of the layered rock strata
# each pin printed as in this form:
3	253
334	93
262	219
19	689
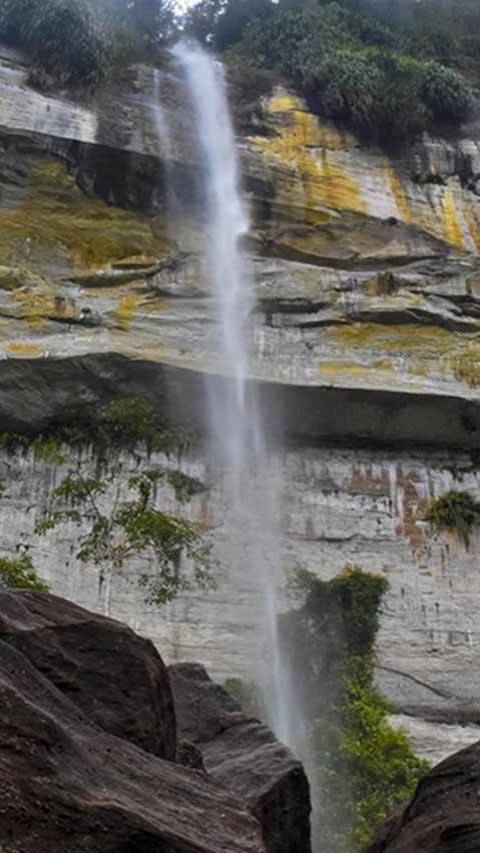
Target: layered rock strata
365	339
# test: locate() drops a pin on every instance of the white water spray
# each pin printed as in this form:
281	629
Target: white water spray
161	123
253	477
162	128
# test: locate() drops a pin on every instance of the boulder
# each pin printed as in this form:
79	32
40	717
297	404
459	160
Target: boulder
66	784
444	814
117	679
244	757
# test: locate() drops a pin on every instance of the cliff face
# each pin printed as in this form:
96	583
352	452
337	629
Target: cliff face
365	336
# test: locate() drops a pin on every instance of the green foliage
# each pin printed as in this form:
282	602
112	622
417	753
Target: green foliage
123	424
221	23
119	520
455	511
354	69
61	37
364	767
49	449
19	573
338	619
359	596
78	42
135	28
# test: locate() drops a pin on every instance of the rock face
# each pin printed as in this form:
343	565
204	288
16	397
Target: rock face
436	741
118	680
366	342
66	782
244	758
444	815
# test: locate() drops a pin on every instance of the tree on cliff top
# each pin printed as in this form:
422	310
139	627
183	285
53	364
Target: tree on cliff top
221	23
76	42
60	36
355	69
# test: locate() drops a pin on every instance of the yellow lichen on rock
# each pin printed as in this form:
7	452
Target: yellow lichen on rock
22	349
37	304
471	220
125	309
431	341
56	219
323	170
466	366
354	368
12	278
452	231
316	155
399	194
424	353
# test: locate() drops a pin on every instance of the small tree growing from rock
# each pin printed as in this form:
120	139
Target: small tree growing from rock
457	512
19	573
118	512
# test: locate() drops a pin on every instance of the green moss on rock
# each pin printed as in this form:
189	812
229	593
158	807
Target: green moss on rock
457	512
56	219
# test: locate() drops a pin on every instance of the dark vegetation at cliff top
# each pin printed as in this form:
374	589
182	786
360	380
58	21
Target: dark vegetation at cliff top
387	75
79	42
389	69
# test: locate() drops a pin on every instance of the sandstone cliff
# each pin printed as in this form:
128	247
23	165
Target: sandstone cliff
366	341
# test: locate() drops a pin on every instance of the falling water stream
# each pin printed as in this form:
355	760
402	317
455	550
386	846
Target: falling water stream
253	480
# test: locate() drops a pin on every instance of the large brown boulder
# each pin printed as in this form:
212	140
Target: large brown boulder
444	814
115	677
67	785
244	757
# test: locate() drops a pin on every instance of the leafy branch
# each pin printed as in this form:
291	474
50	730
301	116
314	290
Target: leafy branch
133	526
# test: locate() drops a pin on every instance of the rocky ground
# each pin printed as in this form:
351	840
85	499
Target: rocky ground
88	749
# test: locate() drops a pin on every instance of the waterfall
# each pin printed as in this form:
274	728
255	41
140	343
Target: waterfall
160	121
162	130
252	473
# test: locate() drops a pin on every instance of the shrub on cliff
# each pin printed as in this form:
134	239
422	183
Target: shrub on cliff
61	37
457	512
116	506
221	23
19	573
77	42
364	768
354	69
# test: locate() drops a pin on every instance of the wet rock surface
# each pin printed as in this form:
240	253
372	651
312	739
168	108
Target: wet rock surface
65	782
117	679
243	756
444	815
